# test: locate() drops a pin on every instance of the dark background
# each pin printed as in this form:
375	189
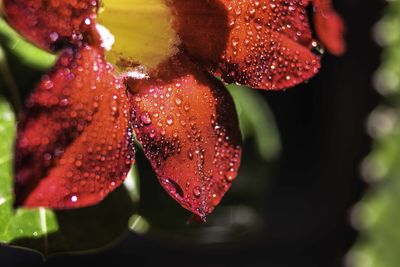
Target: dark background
322	124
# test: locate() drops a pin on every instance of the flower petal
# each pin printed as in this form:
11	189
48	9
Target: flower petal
186	122
202	27
329	27
261	43
51	24
269	44
73	145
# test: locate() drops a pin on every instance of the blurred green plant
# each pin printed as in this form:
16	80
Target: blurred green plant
51	232
377	215
256	121
28	54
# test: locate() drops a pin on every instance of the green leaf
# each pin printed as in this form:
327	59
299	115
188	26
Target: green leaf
52	232
7	124
25	51
256	121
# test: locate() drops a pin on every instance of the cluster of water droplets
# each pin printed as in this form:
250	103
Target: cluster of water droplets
269	44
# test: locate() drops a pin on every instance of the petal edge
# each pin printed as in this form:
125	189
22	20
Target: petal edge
51	24
329	27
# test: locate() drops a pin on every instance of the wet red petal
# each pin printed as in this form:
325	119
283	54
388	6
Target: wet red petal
186	122
329	27
73	144
51	24
261	43
269	44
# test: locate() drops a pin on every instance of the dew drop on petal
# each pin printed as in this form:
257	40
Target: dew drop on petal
145	118
197	191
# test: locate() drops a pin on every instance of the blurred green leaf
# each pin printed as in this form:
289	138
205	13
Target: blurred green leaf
138	224
26	52
256	121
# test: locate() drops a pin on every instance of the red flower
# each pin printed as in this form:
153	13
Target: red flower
74	143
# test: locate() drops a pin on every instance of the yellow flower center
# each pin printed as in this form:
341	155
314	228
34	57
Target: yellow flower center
137	32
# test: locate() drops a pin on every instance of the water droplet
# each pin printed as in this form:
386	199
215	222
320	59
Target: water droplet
53	36
186	107
78	163
173	187
170	121
230	175
190	155
145	118
197	191
178	101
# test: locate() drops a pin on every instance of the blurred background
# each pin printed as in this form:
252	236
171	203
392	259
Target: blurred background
317	186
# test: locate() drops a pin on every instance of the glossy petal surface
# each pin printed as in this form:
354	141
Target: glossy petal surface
51	24
329	27
73	145
269	44
186	122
